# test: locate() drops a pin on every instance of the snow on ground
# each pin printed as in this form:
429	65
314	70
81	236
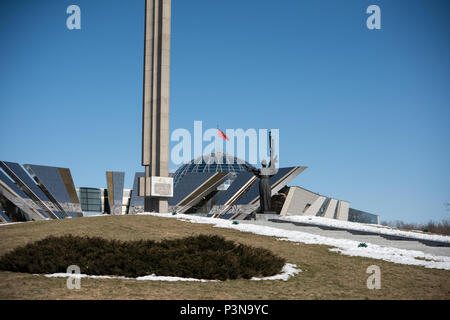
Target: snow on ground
94	214
146	278
365	227
289	270
11	223
343	246
48	219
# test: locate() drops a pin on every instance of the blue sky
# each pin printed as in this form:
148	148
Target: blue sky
367	111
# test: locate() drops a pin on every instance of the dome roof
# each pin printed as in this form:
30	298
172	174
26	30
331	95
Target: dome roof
214	162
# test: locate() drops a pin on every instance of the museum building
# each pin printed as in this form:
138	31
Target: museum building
216	185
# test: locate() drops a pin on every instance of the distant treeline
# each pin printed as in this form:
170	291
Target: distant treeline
441	227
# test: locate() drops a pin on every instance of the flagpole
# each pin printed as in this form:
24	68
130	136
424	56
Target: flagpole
270	146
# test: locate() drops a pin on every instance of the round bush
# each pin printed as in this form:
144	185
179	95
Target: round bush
201	257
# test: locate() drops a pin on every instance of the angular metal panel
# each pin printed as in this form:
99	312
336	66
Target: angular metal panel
50	178
29	187
188	184
115	183
3	217
57	184
136	202
227	216
202	191
15	171
118	182
241	180
7	181
19	199
70	186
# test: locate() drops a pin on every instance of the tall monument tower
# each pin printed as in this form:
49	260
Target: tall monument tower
156	186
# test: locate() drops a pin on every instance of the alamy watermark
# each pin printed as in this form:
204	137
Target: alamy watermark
374	20
74	20
251	145
374	281
74	282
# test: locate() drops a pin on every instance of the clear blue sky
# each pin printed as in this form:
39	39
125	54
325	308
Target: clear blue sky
367	111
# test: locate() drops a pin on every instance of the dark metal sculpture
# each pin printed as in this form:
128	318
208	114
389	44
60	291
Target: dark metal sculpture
264	174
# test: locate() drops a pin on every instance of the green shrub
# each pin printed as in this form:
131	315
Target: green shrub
202	257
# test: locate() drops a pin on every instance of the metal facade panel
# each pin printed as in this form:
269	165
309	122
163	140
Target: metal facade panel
57	184
135	200
70	186
118	183
355	215
29	187
51	179
73	214
59	214
23	176
227	216
115	183
110	187
187	185
4	178
4	217
43	213
17	197
237	184
202	192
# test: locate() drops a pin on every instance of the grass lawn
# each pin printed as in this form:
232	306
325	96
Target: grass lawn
326	275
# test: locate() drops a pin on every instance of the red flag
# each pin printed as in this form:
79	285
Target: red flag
222	135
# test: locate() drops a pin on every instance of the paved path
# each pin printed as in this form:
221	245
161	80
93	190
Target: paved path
434	248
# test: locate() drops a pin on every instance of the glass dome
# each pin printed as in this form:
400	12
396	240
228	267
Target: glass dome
214	162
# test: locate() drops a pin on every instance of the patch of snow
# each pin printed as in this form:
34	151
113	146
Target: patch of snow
343	246
48	219
99	214
11	223
289	270
80	276
144	278
165	278
348	225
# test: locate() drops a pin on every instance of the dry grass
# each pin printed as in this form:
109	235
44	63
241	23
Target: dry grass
326	275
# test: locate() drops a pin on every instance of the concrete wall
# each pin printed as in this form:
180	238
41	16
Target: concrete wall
314	208
331	208
343	207
297	200
302	202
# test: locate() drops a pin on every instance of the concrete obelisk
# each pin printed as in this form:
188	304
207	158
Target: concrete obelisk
155	117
